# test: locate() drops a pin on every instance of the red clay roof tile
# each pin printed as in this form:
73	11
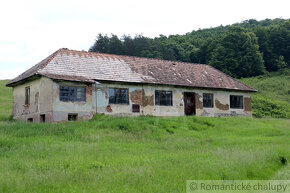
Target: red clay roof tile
88	66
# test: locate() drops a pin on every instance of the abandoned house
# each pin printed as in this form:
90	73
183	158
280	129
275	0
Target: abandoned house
74	85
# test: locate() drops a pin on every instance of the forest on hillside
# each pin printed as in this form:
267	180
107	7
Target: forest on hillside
245	49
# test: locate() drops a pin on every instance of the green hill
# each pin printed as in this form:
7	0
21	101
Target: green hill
273	96
5	100
244	49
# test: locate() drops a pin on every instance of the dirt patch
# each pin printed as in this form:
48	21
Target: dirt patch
198	103
248	104
221	106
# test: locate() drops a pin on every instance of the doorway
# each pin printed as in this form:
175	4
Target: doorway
189	103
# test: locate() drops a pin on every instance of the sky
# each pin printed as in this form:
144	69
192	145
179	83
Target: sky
32	30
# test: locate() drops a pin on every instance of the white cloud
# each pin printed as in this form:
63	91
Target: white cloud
31	30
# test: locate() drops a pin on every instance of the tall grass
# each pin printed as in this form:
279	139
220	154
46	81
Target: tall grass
144	154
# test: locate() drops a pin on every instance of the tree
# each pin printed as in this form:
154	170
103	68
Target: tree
237	53
129	47
238	49
101	45
115	45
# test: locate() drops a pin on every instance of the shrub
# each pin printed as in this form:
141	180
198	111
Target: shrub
263	107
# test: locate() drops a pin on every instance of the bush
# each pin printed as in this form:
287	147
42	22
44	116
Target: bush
263	107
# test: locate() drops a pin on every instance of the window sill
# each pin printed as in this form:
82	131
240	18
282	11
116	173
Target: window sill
118	104
73	101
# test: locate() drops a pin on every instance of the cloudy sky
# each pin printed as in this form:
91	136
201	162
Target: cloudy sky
32	30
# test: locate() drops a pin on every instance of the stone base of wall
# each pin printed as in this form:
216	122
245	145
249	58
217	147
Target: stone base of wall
59	116
36	117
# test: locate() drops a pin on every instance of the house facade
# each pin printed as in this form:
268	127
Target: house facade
74	85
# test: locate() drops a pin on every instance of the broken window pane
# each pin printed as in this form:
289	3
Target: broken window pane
207	100
27	95
124	96
118	96
163	98
157	98
236	102
168	99
68	93
111	95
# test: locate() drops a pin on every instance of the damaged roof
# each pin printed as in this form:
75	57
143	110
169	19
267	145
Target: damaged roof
65	64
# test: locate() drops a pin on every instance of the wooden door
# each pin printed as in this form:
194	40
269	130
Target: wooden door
189	103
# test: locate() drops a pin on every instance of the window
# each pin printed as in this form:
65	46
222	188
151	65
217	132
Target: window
42	118
236	102
69	93
136	108
163	98
72	117
207	100
30	120
118	96
27	95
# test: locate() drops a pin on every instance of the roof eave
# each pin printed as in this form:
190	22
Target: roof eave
16	83
177	85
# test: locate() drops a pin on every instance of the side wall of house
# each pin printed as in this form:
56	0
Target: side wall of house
84	110
40	100
144	95
45	100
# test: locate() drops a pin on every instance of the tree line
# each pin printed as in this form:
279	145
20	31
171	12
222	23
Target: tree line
245	49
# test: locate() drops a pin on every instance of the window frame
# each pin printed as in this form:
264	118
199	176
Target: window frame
27	95
115	98
231	105
83	97
165	93
212	101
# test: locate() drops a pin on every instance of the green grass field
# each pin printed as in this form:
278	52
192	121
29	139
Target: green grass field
144	154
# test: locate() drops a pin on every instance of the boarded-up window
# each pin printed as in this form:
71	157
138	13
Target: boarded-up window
207	100
27	95
236	102
118	96
70	93
163	98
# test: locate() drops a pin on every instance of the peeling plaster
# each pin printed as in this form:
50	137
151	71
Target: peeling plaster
221	106
247	104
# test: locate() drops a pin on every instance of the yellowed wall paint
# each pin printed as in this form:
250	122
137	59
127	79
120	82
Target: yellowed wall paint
40	99
97	100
